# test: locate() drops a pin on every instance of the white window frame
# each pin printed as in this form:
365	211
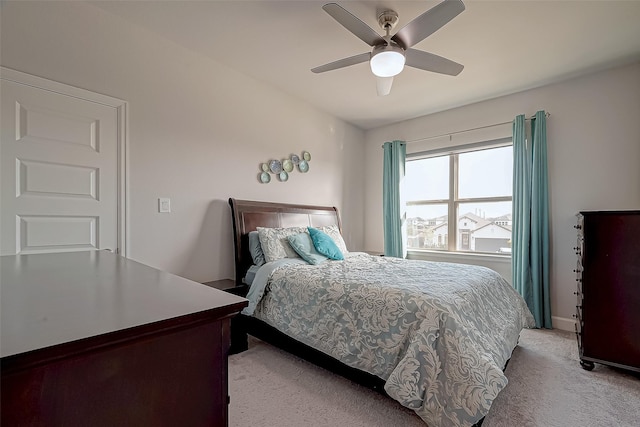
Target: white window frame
453	201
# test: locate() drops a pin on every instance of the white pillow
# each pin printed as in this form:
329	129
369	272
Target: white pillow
275	244
334	232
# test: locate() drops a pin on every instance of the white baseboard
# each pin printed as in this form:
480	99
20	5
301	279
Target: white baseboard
563	323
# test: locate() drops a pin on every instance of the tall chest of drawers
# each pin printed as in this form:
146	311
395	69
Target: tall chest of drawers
608	288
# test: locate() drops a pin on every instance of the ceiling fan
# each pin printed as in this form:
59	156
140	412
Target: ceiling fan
391	53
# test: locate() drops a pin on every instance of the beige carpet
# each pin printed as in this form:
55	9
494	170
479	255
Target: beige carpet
547	388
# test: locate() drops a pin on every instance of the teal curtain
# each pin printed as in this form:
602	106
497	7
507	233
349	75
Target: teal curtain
521	229
395	154
530	233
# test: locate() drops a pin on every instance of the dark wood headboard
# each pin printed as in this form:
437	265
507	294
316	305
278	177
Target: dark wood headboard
248	215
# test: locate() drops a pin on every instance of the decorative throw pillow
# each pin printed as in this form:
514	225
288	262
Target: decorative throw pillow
303	245
274	242
255	249
334	232
325	244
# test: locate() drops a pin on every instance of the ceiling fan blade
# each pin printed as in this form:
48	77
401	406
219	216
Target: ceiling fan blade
341	63
383	85
430	62
353	24
428	23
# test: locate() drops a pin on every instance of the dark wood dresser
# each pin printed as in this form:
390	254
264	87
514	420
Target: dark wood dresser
92	338
608	277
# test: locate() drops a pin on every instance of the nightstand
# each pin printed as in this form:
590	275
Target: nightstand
229	285
239	341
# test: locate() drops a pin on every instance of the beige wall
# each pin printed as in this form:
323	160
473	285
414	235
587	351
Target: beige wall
593	157
197	132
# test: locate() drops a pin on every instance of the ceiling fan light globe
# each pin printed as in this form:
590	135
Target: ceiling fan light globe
387	62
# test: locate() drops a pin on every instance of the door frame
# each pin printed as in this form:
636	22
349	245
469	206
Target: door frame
122	111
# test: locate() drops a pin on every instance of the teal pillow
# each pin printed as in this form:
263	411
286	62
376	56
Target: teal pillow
303	245
325	244
255	249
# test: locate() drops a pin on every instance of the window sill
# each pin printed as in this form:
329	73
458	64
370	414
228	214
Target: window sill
465	257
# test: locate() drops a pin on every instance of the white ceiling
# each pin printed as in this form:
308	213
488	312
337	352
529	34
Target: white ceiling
505	46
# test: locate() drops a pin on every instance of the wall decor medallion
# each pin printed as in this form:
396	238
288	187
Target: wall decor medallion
275	166
264	177
303	166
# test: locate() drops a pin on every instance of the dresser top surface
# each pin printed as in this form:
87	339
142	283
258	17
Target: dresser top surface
51	299
622	212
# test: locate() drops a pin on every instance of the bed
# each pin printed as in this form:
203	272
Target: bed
436	337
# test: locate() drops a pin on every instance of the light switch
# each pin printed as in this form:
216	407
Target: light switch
164	205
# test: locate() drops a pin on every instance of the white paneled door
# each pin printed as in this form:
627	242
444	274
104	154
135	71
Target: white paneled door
59	165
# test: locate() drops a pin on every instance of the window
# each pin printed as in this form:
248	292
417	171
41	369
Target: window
466	194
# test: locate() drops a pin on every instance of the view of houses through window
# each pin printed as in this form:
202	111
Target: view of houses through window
467	195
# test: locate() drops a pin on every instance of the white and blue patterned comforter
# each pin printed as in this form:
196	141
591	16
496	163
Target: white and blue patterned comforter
439	334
